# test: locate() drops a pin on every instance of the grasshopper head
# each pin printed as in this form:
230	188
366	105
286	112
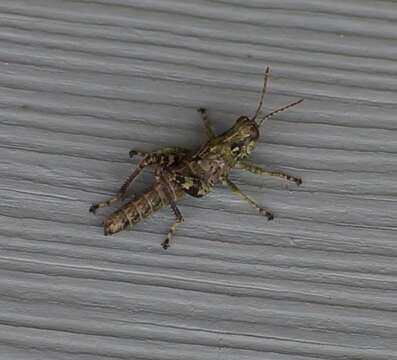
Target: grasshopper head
242	137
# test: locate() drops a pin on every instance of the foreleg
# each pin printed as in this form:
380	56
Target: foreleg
233	187
255	169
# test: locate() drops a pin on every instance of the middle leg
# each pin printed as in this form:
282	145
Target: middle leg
233	187
255	169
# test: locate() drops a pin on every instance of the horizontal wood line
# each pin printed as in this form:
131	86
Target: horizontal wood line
248	186
141	122
202	336
43	63
155	27
318	8
197	236
115	160
6	82
209	16
76	345
308	220
131	39
344	299
39	89
149	123
227	333
230	253
345	280
251	187
345	272
301	219
36	108
212	16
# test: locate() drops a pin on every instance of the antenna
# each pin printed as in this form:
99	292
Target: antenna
267	72
279	110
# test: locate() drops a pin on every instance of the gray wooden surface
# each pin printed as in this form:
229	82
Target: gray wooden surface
83	82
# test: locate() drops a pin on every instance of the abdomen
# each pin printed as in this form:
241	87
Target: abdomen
140	208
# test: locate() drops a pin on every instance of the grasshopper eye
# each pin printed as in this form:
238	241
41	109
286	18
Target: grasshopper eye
254	132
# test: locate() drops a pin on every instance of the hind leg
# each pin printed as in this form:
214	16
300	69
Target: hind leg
179	219
163	157
171	198
123	189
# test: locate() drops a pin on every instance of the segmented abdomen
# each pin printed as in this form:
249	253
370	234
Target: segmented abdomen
136	210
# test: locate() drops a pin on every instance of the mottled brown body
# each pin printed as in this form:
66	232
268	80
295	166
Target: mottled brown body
179	171
204	169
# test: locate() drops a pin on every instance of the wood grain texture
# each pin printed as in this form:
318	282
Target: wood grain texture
83	82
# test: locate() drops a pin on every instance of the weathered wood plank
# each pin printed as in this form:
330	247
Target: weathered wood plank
84	82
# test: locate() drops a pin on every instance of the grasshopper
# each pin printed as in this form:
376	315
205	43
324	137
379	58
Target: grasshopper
179	171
